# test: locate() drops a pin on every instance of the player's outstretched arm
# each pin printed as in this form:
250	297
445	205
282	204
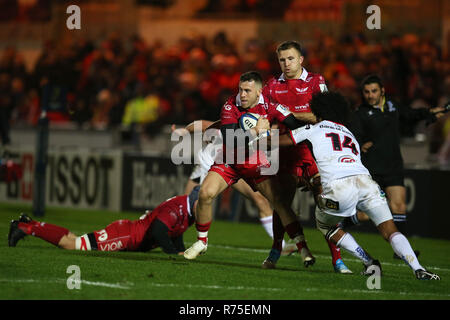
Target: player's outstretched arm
198	124
160	233
179	244
307	117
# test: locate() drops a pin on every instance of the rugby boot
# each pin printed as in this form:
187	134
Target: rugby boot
426	275
340	267
15	233
272	259
369	273
198	248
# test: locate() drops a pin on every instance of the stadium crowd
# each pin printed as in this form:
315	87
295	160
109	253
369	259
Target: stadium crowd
122	82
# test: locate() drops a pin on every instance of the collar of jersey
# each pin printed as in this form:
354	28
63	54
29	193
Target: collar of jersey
302	76
238	100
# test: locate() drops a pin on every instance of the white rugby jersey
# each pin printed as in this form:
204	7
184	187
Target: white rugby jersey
207	155
334	148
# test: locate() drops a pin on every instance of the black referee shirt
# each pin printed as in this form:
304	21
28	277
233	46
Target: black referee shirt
383	129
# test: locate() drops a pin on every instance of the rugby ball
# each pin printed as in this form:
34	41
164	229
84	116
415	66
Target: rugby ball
248	120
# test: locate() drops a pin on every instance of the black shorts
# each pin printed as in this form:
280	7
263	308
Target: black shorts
385	180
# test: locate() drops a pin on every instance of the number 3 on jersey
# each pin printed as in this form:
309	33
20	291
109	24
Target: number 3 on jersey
336	142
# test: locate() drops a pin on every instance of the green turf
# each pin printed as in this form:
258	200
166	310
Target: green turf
229	271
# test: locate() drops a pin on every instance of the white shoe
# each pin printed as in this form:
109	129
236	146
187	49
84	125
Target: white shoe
308	259
289	248
196	249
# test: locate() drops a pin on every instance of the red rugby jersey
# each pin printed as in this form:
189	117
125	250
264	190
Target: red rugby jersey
175	214
232	112
295	94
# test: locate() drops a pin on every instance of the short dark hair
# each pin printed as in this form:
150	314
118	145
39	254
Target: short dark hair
251	76
332	106
372	78
289	45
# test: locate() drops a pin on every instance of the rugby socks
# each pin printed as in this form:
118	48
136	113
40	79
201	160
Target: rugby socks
403	249
46	231
277	232
400	222
202	231
334	250
348	243
267	225
295	232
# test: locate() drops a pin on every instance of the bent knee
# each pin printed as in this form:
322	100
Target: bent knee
397	207
207	194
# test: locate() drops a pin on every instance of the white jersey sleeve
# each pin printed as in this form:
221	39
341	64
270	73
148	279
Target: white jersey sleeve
335	149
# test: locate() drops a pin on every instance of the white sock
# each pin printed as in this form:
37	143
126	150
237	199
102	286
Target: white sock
348	243
403	249
267	225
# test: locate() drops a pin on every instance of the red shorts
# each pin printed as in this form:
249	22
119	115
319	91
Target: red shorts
298	161
120	235
251	173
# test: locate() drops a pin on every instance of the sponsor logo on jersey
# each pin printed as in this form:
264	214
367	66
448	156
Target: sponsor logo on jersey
281	91
346	159
331	204
303	90
301	107
391	107
323	87
112	246
227	107
283	110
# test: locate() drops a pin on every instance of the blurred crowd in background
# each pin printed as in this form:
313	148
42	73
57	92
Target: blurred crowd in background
118	82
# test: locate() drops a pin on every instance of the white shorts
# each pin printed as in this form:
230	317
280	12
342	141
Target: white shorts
199	172
327	223
205	159
341	197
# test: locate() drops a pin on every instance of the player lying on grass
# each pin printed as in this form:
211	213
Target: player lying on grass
206	157
347	184
163	227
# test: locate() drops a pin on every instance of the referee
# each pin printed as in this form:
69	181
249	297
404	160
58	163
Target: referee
376	125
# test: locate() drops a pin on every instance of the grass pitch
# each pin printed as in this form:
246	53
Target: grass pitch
230	270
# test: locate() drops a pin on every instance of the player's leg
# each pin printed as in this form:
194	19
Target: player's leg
396	196
289	183
315	185
329	226
189	186
49	232
212	186
117	236
374	204
382	218
263	205
194	178
272	190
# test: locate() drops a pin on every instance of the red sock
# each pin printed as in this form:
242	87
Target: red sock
48	232
278	232
295	230
202	231
334	250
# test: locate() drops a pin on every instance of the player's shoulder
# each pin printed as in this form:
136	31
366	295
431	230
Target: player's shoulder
312	76
230	103
272	81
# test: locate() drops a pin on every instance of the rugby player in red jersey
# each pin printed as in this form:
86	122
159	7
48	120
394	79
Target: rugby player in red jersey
221	175
294	90
163	227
